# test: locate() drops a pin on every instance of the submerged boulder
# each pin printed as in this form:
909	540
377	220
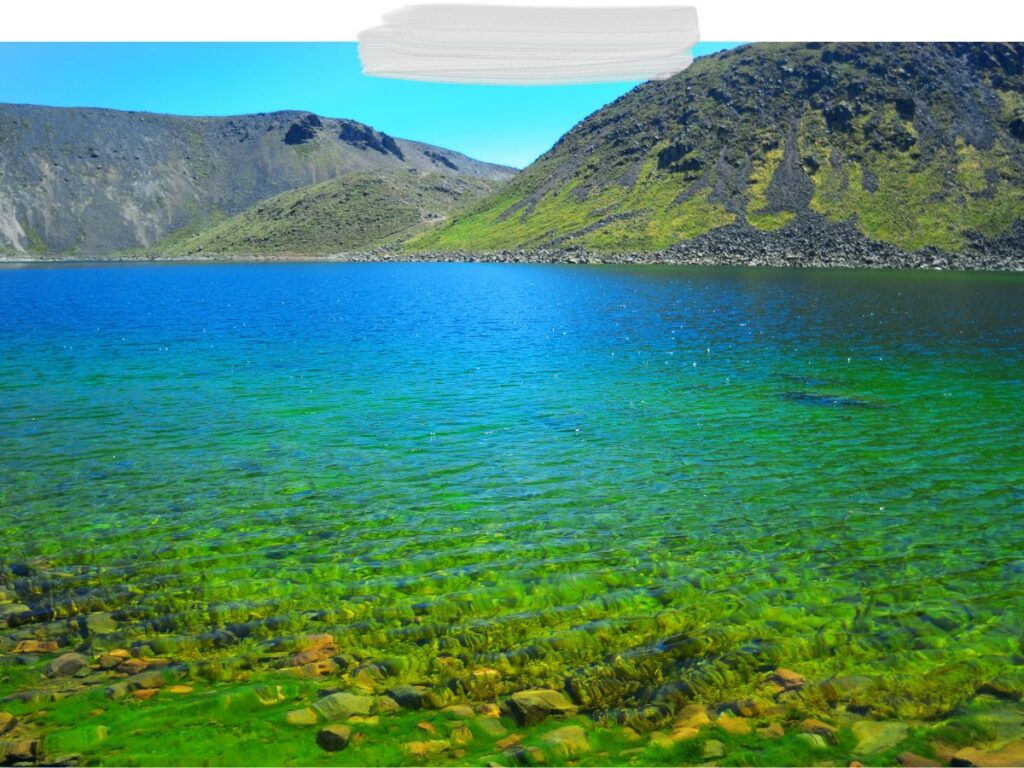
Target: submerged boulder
66	665
339	706
529	707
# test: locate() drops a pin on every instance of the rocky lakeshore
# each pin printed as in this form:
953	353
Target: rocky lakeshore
809	241
314	700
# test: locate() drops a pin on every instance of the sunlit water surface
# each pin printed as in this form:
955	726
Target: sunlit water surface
629	481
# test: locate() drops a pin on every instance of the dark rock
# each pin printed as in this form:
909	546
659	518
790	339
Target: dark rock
533	706
407	696
333	738
66	665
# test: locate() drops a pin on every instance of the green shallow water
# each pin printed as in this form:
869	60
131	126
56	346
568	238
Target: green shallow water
643	486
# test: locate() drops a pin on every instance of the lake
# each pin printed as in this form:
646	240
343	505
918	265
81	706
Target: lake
641	487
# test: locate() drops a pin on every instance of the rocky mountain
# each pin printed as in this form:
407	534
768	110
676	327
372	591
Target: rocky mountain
356	211
886	148
96	181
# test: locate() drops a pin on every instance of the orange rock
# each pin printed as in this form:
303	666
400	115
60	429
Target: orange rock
132	666
36	646
788	679
489	709
509	741
428	727
145	693
772	731
1010	754
684	733
734	725
812	725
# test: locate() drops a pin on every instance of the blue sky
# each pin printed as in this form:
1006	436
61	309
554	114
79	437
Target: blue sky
502	124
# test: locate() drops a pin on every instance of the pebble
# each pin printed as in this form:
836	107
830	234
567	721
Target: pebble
569	742
7	722
180	689
66	665
772	731
304	716
692	716
145	693
684	733
812	725
385	705
459	711
460	735
489	709
333	738
737	726
339	706
788	679
36	646
712	749
533	706
427	727
425	748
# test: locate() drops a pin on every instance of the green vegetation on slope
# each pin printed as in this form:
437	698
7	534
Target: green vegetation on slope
916	144
360	210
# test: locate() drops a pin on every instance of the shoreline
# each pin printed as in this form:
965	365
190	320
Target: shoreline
963	263
810	241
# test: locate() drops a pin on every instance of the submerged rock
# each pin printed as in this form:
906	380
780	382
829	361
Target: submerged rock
101	623
18	751
713	749
569	742
305	716
7	722
878	735
529	707
36	646
333	738
1011	754
338	706
422	749
407	696
692	716
66	665
737	726
812	725
788	679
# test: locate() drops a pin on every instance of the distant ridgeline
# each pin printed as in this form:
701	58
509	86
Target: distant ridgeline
882	152
917	146
97	181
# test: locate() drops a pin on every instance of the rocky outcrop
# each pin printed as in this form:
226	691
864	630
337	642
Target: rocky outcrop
90	182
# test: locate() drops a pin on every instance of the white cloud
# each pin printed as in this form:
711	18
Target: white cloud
524	45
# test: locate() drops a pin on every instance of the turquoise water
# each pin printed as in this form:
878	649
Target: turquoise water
642	486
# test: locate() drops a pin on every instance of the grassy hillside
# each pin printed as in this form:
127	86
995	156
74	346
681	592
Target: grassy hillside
96	181
355	211
915	144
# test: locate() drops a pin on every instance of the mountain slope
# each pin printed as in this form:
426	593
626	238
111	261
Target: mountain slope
913	145
355	211
94	181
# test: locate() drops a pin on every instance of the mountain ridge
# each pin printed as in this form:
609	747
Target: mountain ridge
93	181
915	146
